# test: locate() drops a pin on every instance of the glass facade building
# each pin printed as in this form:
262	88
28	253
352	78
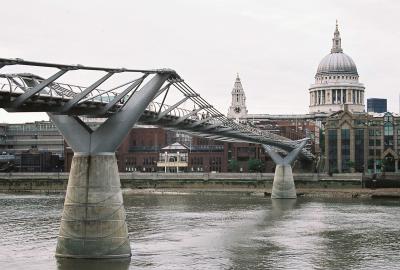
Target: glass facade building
362	142
378	105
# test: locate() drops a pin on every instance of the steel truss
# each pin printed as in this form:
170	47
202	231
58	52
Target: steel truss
26	92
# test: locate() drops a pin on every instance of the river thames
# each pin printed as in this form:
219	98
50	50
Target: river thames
216	231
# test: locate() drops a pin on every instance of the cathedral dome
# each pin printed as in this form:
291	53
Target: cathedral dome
337	63
336	82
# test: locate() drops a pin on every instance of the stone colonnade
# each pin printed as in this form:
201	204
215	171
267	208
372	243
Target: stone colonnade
336	96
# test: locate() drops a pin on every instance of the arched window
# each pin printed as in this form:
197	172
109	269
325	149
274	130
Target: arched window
388	129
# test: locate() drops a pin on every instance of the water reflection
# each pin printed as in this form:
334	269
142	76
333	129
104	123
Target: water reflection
216	232
280	206
260	244
106	264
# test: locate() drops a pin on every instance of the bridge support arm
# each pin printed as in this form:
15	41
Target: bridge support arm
134	86
283	186
110	134
75	132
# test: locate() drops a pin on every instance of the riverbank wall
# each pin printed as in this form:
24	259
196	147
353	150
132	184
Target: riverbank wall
57	182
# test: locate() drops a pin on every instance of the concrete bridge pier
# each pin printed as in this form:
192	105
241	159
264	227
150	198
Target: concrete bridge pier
93	221
283	186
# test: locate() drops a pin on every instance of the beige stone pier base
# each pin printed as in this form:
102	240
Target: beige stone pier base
93	221
283	185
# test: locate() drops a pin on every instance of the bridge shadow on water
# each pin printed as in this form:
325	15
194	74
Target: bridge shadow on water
243	239
94	264
260	243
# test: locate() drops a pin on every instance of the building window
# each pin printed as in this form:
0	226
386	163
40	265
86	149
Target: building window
371	142
388	118
359	150
345	149
388	131
332	153
371	132
358	122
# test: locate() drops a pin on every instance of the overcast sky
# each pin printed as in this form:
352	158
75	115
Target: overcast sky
275	46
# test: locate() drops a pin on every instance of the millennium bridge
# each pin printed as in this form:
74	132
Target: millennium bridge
93	221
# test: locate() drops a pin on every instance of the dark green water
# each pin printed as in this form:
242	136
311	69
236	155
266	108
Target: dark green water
216	232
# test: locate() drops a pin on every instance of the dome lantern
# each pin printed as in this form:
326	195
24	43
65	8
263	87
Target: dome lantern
336	41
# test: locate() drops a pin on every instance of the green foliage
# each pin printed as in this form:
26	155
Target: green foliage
233	165
351	164
255	165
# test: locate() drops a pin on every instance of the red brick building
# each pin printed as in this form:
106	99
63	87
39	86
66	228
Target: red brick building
141	149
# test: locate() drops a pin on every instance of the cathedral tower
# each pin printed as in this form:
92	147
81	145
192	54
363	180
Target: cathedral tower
238	105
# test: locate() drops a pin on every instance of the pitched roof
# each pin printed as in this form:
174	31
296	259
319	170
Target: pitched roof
175	146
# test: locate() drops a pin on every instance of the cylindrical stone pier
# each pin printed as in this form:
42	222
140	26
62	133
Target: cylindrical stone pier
93	221
283	186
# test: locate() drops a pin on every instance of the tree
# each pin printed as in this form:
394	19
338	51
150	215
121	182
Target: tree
233	165
351	164
255	165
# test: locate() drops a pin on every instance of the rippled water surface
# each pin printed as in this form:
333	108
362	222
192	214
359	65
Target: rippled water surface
216	232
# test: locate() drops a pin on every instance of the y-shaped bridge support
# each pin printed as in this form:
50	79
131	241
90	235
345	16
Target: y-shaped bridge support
283	186
93	221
